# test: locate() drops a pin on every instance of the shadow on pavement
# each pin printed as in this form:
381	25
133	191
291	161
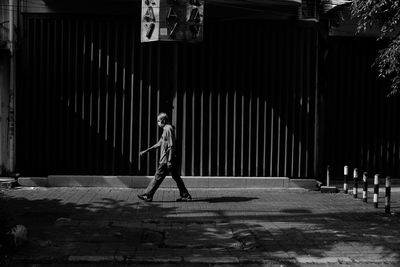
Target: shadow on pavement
213	200
296	211
115	226
224	199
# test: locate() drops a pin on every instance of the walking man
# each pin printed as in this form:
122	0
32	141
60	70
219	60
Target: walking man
167	164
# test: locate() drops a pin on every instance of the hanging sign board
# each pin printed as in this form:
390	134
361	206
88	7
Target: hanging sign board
172	20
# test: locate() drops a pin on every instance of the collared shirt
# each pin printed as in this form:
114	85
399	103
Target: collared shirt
167	144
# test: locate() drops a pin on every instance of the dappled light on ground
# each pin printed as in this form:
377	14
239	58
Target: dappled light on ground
248	224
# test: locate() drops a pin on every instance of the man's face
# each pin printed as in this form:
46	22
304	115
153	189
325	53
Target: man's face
160	123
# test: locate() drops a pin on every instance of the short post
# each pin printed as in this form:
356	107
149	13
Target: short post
376	190
387	195
346	174
328	178
327	188
355	187
365	187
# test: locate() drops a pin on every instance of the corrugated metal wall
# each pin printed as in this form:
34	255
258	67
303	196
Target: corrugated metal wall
242	101
246	101
362	128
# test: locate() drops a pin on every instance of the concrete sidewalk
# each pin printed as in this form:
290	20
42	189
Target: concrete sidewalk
225	227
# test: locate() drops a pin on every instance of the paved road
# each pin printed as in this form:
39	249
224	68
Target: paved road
92	226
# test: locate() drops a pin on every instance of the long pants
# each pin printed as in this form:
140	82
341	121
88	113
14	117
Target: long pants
163	171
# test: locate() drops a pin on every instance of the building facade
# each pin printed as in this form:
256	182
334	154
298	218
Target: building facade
267	93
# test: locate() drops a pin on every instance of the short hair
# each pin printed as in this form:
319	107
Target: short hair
163	116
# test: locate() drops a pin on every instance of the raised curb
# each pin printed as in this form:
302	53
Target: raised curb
94	259
211	260
76	259
324	260
172	260
7	183
34	181
190	181
197	260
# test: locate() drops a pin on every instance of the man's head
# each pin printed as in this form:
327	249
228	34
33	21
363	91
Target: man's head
162	119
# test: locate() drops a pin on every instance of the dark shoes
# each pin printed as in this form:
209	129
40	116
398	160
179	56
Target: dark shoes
145	197
187	197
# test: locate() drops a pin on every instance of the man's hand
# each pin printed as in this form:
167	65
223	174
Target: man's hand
141	153
169	164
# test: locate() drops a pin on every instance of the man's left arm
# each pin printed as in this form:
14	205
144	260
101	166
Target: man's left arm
171	145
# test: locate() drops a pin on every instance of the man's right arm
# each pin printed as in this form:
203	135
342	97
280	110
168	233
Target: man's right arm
157	145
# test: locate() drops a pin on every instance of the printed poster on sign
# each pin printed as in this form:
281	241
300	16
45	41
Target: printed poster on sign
150	20
194	21
172	20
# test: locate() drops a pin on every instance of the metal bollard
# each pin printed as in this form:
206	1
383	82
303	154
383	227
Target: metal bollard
387	195
365	187
346	173
376	190
355	187
328	178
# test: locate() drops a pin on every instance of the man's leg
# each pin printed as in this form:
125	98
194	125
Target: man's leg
157	180
183	192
